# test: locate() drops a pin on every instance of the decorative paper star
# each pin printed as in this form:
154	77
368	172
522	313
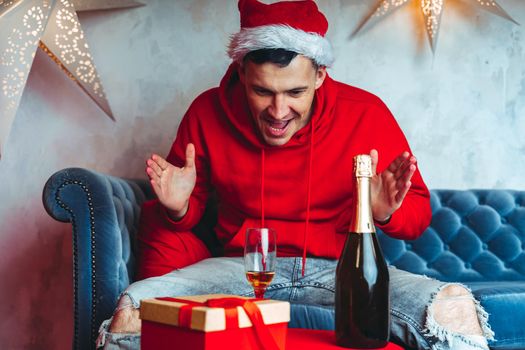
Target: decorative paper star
432	11
53	26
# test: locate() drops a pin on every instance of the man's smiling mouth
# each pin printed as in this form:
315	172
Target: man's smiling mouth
276	128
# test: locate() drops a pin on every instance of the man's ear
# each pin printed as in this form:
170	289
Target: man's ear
320	76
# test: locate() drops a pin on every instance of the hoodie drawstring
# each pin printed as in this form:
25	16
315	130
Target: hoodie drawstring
262	187
308	197
308	194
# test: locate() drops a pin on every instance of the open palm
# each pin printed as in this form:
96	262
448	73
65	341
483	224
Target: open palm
173	185
389	188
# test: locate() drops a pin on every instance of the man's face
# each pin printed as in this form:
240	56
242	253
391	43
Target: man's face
280	98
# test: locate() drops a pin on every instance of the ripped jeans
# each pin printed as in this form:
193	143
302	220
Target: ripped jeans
412	322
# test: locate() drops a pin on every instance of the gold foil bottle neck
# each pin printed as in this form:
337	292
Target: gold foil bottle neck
362	221
363	165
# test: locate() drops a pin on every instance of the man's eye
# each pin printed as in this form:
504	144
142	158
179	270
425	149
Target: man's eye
262	92
295	93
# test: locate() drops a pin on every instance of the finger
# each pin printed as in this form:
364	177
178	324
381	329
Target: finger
161	162
155	185
400	196
405	166
152	174
375	159
394	166
407	176
154	166
409	172
190	156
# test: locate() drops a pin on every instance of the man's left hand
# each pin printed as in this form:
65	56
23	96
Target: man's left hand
389	188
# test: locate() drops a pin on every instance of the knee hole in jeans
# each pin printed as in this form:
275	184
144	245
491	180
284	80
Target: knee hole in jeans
455	310
126	317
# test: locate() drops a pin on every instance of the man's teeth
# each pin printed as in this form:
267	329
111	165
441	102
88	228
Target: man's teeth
279	125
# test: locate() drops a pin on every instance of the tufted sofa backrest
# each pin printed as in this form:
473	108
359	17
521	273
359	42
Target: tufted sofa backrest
475	235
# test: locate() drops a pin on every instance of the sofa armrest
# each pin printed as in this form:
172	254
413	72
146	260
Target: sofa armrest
104	213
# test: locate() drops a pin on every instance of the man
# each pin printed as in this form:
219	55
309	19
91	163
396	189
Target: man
274	144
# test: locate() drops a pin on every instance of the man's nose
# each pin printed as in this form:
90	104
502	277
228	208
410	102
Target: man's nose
279	108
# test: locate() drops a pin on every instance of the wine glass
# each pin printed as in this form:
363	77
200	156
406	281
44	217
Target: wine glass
259	258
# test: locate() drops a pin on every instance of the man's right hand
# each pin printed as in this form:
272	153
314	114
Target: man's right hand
173	185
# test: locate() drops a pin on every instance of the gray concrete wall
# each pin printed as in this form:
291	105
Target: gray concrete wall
463	111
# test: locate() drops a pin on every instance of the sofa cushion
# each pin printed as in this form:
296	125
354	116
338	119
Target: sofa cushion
476	235
504	302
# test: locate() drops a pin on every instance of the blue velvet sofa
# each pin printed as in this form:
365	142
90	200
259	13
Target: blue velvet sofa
476	237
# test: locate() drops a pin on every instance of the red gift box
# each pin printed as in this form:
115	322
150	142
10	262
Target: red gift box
212	322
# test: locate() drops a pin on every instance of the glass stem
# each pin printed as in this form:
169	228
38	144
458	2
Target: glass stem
259	292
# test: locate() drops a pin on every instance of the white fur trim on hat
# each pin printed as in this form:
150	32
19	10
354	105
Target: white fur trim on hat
281	36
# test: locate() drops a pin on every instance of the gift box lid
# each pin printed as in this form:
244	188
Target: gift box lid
210	319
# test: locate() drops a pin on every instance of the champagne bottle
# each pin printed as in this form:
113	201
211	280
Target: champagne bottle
362	304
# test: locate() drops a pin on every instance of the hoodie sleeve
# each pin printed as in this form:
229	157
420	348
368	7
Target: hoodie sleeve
190	132
414	215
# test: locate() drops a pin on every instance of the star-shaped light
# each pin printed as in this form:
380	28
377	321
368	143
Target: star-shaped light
432	11
53	26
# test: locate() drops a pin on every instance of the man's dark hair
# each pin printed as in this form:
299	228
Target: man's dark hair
280	57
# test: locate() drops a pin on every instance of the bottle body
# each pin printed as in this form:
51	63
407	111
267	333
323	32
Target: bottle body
362	299
362	303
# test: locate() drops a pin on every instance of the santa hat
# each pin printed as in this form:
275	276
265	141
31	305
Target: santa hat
296	26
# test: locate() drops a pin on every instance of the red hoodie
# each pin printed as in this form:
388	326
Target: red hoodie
302	189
